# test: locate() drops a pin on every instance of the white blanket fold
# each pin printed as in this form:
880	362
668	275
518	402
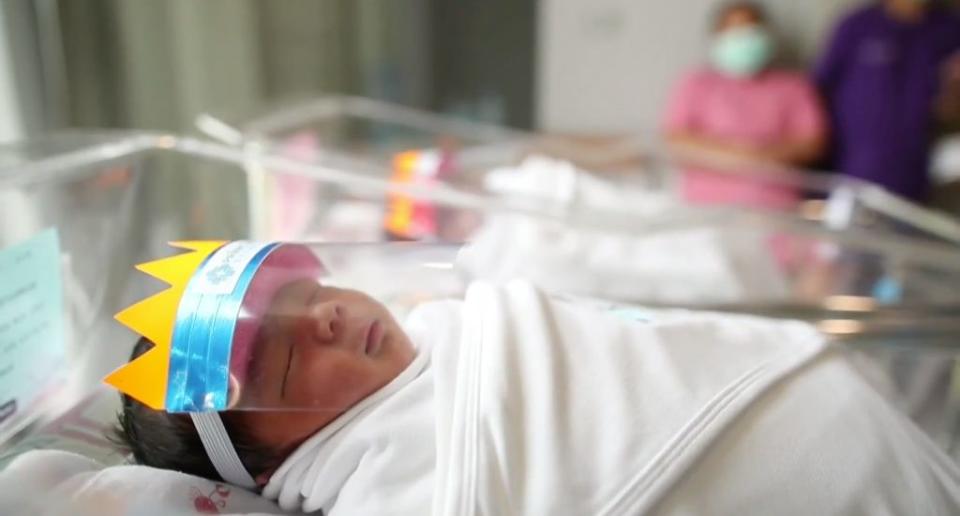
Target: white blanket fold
58	483
709	262
555	409
520	404
528	405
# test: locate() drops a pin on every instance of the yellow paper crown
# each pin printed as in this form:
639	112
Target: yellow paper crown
145	378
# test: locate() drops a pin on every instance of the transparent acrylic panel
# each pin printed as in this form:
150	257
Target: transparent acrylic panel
809	236
117	203
628	219
113	202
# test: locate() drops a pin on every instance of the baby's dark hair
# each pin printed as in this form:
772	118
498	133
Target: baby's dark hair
170	441
723	10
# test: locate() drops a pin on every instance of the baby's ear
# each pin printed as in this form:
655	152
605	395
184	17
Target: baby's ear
233	392
264	477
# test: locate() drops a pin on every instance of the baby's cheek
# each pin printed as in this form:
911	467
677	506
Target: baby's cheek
332	383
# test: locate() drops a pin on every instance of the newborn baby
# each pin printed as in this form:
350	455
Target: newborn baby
340	347
513	402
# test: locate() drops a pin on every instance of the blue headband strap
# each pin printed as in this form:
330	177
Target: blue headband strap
206	321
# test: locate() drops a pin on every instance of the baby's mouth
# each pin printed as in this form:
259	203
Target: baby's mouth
374	338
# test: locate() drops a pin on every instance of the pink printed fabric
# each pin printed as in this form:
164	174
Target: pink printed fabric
771	108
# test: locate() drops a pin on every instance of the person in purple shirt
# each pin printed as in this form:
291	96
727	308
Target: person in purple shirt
880	76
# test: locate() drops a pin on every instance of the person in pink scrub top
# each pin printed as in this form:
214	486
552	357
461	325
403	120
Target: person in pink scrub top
743	110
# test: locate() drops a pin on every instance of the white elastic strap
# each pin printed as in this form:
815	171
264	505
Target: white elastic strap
220	450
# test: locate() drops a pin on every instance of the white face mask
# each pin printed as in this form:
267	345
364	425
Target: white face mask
742	51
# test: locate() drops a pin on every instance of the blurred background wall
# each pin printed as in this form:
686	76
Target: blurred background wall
31	77
147	64
573	66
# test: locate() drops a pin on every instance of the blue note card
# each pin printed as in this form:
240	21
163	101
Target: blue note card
32	347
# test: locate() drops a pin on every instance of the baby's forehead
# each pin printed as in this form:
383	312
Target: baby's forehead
307	291
296	291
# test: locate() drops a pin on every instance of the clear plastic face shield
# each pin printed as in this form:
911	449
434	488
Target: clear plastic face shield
281	326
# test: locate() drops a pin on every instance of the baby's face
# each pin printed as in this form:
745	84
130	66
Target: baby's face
319	351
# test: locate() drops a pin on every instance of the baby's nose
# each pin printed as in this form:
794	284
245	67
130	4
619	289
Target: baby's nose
327	320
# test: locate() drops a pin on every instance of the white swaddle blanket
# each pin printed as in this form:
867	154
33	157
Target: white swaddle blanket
61	483
520	404
699	264
548	408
